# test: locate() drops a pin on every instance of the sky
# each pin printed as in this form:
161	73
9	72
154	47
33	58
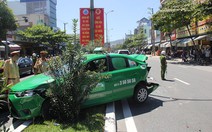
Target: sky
123	19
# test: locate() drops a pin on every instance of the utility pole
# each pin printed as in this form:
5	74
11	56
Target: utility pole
65	26
92	21
152	33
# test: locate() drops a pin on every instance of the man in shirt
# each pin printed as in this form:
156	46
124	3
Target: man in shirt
163	64
41	64
11	70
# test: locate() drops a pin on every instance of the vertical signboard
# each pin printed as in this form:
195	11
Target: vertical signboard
99	26
84	26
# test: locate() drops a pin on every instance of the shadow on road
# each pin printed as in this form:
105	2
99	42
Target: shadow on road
138	109
169	99
150	105
169	80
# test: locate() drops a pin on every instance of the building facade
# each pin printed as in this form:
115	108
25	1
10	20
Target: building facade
45	9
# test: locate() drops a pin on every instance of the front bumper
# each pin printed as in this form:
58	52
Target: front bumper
25	107
151	87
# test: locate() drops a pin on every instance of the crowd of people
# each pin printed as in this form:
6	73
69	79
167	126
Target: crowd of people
10	68
201	56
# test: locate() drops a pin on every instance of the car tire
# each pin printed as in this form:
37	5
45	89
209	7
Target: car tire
45	111
141	94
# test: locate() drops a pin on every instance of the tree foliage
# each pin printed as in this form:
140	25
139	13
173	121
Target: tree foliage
7	20
205	8
73	83
40	34
176	14
136	40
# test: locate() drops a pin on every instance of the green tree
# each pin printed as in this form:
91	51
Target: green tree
175	14
40	34
7	20
205	8
127	43
136	40
139	39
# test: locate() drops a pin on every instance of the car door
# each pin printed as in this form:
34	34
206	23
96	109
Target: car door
126	74
102	93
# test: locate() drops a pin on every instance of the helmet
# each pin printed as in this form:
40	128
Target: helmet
163	53
34	54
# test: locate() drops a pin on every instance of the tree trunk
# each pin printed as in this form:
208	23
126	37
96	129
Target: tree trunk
191	38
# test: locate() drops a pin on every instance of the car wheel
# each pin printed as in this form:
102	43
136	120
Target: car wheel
46	110
141	94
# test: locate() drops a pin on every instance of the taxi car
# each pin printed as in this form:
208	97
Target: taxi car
128	78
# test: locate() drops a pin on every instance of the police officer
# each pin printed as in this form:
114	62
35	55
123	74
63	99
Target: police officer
163	64
11	70
41	64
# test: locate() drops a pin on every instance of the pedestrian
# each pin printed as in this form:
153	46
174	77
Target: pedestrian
207	55
163	64
41	64
184	56
11	70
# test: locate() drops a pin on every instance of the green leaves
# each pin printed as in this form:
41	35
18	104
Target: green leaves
174	14
7	20
40	34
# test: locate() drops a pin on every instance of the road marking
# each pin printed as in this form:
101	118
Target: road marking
182	81
130	124
110	120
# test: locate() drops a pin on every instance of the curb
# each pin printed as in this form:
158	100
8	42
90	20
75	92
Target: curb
110	119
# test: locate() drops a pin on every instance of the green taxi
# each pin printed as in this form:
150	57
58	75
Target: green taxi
127	78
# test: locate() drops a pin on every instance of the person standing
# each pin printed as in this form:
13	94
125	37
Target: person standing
11	70
207	55
41	64
163	64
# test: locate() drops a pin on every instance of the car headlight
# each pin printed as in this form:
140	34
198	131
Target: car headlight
27	93
143	66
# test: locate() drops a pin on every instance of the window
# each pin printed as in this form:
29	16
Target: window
99	65
119	63
132	63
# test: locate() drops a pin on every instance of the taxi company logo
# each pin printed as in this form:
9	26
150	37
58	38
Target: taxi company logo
85	11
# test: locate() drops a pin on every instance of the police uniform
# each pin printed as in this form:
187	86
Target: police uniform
163	65
11	70
41	64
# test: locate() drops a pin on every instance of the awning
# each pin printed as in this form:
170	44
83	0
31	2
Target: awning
201	37
149	46
164	44
12	47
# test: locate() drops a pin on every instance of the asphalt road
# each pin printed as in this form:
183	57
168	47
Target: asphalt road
182	103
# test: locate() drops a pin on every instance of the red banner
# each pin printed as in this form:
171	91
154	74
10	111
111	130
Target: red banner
84	26
98	26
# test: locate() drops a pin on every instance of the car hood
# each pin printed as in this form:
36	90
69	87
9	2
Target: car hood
139	57
32	82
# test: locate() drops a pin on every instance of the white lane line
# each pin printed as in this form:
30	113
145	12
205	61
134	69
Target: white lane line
23	126
110	119
182	81
130	124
